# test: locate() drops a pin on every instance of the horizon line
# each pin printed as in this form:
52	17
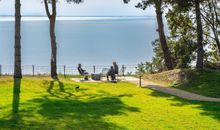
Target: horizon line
76	18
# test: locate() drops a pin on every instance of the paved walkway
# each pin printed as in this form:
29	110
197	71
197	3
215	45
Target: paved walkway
172	91
88	81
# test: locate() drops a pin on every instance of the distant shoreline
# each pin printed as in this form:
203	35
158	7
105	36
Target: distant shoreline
78	18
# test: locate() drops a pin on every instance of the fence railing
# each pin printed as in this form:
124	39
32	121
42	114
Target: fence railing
35	70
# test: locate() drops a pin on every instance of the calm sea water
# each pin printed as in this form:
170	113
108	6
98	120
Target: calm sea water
90	42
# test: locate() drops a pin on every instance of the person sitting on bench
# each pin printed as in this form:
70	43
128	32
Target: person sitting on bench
83	72
111	73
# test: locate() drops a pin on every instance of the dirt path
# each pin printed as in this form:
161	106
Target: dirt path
172	91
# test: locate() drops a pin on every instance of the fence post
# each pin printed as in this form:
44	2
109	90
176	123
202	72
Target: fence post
33	70
0	70
123	70
140	84
64	71
94	69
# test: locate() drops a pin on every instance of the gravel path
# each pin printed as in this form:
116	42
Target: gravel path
172	91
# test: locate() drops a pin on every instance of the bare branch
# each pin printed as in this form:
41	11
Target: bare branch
47	9
54	8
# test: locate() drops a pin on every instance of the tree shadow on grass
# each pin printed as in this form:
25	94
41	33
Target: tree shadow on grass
211	109
207	82
84	115
61	89
16	99
71	114
14	116
55	111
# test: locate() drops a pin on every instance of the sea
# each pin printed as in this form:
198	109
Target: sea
91	41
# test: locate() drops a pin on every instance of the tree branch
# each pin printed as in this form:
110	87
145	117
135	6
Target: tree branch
54	8
47	9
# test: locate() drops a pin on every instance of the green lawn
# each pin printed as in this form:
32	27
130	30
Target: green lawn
46	104
204	82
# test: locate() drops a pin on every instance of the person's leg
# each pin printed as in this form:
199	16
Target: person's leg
107	77
86	76
112	77
116	76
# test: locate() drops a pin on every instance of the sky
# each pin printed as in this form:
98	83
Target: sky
88	8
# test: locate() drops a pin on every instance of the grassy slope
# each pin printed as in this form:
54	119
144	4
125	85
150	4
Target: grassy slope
45	104
203	82
206	82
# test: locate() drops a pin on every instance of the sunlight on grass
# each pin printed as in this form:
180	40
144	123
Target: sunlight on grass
203	82
47	104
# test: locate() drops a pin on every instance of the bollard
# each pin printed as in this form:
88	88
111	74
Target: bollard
33	70
140	84
64	71
94	69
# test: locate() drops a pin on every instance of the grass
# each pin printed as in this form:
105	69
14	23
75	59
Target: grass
46	104
204	82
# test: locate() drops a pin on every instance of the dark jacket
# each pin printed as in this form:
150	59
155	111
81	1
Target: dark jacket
81	71
116	68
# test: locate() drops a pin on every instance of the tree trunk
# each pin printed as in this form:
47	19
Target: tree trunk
17	55
163	41
16	99
52	19
216	15
218	44
200	53
217	39
53	48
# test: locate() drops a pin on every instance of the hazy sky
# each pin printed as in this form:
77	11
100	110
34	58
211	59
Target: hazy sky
88	8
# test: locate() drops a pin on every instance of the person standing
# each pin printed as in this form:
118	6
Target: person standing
115	67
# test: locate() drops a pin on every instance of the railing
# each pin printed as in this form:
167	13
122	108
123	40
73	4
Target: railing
35	70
